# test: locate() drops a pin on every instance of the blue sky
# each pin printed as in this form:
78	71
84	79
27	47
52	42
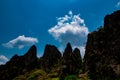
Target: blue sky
27	22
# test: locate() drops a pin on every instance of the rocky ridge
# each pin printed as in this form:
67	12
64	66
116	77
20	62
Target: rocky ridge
19	64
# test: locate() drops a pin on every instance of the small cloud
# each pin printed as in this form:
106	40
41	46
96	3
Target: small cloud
20	42
1	63
118	4
70	28
3	59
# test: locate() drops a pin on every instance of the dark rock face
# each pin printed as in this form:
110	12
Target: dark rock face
72	61
77	60
50	57
102	56
68	51
30	58
18	64
67	61
51	51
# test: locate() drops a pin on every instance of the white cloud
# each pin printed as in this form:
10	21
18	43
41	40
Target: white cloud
118	4
20	42
3	59
1	63
70	28
82	50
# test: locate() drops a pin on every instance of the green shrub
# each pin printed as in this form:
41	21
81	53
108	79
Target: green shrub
55	79
71	77
21	77
35	74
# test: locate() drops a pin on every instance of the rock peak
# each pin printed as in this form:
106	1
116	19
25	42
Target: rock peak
50	57
51	50
68	50
69	46
32	51
77	52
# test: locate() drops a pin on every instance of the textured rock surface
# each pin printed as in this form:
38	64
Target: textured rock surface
102	56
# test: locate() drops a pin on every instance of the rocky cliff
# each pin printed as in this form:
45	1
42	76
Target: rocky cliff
102	55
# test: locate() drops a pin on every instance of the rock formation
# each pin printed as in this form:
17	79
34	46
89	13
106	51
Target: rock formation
72	61
102	56
101	60
30	58
77	61
50	57
19	64
68	52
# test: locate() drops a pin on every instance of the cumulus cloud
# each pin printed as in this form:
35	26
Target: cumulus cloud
118	4
70	28
20	42
3	59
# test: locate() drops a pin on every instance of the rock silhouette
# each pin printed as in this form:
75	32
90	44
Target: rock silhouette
19	64
101	60
50	57
72	61
102	56
77	61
